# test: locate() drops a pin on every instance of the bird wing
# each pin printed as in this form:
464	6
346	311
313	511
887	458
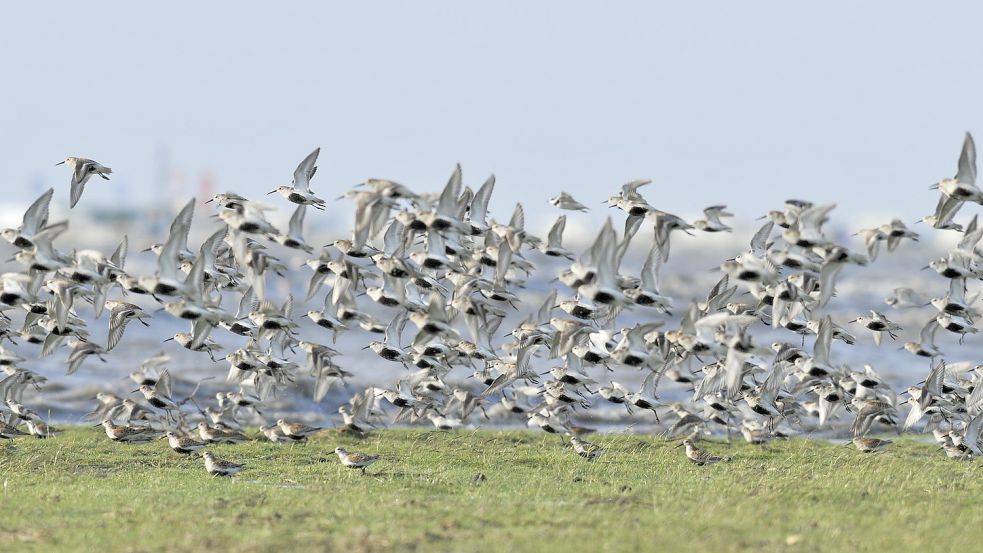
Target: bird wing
967	161
305	171
479	204
36	216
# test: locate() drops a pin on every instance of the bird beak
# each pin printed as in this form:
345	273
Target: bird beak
134	391
680	444
366	347
167	340
271	192
210	200
56	165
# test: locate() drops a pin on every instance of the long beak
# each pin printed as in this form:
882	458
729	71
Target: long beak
271	192
167	340
56	165
680	444
366	347
210	200
134	391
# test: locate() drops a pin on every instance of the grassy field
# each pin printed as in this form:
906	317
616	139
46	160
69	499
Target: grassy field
81	492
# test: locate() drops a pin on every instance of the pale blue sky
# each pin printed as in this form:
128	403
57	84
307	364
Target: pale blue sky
717	102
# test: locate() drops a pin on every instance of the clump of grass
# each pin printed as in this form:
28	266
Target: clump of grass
485	491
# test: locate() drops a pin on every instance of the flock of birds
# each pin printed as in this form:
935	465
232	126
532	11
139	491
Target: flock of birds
446	275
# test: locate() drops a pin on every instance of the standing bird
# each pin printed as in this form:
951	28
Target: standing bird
220	467
698	456
83	169
354	459
585	449
870	445
183	444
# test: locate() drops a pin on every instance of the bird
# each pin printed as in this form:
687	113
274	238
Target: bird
870	445
296	430
220	467
82	170
482	322
299	192
566	201
585	449
712	222
128	434
214	435
699	457
183	444
354	459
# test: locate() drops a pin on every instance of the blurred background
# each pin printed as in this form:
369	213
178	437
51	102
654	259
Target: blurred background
864	104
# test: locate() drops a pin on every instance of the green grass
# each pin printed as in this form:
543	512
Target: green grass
81	492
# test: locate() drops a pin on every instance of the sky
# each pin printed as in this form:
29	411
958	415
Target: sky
744	104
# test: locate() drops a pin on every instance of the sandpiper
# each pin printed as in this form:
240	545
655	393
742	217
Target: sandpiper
215	435
183	444
698	456
82	170
129	434
870	445
220	467
40	429
276	435
354	459
586	449
297	430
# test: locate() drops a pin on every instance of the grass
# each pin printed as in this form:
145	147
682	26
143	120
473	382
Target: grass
81	492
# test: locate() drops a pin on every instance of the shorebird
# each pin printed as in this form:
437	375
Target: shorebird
712	223
183	444
699	457
878	324
566	201
355	460
585	449
127	434
300	192
276	435
220	467
82	171
870	445
220	435
40	429
297	430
